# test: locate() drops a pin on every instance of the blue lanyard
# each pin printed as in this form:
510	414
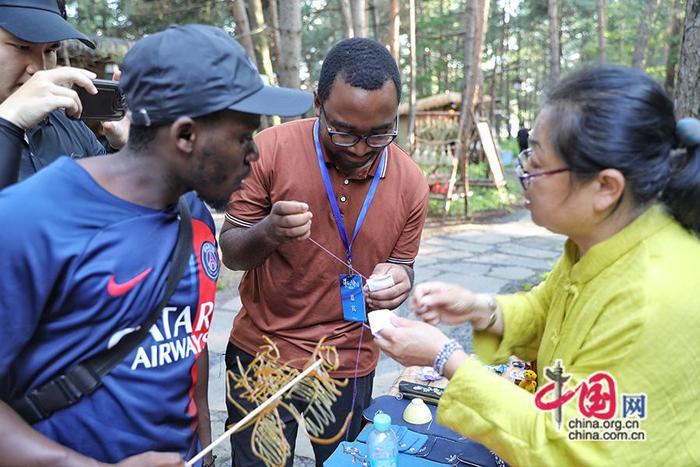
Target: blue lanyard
331	195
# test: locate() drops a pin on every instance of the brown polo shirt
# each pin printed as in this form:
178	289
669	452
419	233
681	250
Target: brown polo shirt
294	296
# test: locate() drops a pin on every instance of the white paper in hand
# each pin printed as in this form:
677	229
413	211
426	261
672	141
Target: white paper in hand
380	282
380	319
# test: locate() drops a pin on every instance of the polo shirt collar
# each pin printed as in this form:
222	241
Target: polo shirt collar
604	254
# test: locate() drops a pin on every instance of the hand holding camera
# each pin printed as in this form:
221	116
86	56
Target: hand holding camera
117	131
45	92
107	105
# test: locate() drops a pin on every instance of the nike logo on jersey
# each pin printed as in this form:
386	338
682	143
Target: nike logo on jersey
115	289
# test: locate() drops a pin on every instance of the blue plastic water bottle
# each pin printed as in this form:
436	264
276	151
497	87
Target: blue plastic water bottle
382	444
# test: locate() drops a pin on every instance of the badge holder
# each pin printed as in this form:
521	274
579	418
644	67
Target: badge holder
352	298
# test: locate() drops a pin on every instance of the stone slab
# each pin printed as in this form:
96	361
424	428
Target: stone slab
513	273
466	268
475	283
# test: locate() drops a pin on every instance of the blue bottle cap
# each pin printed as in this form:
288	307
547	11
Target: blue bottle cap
382	421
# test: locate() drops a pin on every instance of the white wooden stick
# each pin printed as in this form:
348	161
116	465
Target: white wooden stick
254	413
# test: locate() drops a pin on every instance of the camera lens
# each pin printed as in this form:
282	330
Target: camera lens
119	100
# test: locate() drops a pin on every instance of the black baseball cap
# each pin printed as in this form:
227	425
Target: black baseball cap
196	70
38	21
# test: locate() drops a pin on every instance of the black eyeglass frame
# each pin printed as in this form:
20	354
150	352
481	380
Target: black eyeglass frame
365	138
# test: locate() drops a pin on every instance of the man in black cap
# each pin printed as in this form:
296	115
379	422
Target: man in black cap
81	280
36	100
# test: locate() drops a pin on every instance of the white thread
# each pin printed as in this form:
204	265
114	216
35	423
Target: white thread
334	256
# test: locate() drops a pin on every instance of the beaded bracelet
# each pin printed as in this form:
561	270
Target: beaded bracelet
445	352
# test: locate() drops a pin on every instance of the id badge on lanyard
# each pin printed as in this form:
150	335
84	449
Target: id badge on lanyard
352	298
351	295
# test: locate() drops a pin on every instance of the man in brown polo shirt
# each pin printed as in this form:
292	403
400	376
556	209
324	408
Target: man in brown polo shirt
291	291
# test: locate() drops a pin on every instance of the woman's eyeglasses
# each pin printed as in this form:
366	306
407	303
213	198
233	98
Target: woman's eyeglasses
525	176
346	140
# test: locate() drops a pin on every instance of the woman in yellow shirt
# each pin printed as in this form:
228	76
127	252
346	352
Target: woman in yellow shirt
619	315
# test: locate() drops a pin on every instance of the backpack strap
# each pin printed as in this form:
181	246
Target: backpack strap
84	378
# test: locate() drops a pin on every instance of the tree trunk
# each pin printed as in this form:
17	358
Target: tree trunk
554	50
422	67
468	87
290	43
518	81
506	104
394	28
688	89
275	28
346	15
374	8
674	46
262	46
412	89
242	27
439	56
643	32
482	18
358	18
602	26
257	24
474	29
497	68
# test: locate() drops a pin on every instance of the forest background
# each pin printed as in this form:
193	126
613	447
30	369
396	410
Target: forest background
501	55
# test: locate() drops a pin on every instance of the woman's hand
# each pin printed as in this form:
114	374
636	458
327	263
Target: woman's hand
440	302
411	342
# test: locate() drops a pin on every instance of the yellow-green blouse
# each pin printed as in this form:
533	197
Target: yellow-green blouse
630	307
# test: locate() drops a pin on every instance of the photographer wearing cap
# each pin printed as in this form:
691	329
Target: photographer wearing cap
38	108
82	280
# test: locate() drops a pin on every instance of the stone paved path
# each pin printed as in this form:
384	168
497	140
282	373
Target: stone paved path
500	256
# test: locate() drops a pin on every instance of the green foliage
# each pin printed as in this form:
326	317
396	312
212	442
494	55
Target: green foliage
319	33
131	19
526	55
516	77
509	144
440	51
481	198
478	171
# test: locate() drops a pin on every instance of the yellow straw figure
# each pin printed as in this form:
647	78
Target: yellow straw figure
263	379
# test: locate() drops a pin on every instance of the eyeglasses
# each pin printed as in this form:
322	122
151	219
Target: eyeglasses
525	176
347	140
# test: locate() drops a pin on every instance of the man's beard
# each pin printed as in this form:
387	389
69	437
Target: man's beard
350	166
218	178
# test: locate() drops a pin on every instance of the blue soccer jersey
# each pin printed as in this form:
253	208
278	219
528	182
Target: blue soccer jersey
79	269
